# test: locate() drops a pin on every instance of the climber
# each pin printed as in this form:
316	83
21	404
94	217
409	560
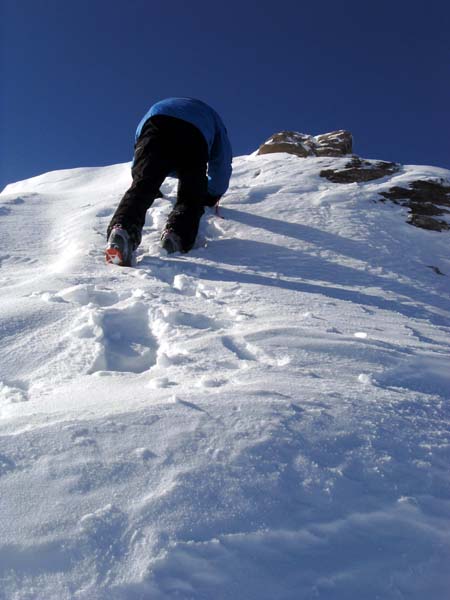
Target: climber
184	138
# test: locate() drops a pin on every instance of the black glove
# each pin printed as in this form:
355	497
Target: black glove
211	200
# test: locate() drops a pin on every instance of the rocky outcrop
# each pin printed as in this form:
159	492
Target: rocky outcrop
336	143
426	200
358	170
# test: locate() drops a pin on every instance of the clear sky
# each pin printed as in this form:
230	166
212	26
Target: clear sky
77	75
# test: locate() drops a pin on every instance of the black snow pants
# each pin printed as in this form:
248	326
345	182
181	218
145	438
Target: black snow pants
166	146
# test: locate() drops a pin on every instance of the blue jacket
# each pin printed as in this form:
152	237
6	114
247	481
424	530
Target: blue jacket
211	125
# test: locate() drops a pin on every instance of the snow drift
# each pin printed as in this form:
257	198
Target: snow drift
265	417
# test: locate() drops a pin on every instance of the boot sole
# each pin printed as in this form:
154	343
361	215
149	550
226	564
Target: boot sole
113	256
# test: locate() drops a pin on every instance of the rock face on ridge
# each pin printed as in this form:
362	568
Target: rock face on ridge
336	143
358	170
425	199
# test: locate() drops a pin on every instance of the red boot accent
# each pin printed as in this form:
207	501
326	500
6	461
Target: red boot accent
113	256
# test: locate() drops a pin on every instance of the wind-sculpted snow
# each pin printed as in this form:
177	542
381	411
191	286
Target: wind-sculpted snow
265	417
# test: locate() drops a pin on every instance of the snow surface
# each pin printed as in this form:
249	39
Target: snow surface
266	417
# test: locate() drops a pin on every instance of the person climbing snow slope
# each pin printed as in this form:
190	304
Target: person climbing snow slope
184	138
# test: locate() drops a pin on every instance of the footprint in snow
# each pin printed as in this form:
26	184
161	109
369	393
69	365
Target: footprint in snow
212	382
127	343
247	351
238	348
103	533
193	320
88	294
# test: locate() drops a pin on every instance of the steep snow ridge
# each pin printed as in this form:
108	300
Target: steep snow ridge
265	417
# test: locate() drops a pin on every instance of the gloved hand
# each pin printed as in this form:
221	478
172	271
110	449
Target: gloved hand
211	200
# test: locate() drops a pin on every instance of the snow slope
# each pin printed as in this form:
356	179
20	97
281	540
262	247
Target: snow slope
266	417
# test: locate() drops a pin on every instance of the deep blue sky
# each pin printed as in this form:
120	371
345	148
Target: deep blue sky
77	75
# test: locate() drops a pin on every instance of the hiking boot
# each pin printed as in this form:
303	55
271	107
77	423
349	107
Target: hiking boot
183	222
119	250
171	242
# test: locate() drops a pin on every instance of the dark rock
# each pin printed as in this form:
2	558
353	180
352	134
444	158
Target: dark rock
425	222
425	199
288	141
360	170
336	143
422	191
